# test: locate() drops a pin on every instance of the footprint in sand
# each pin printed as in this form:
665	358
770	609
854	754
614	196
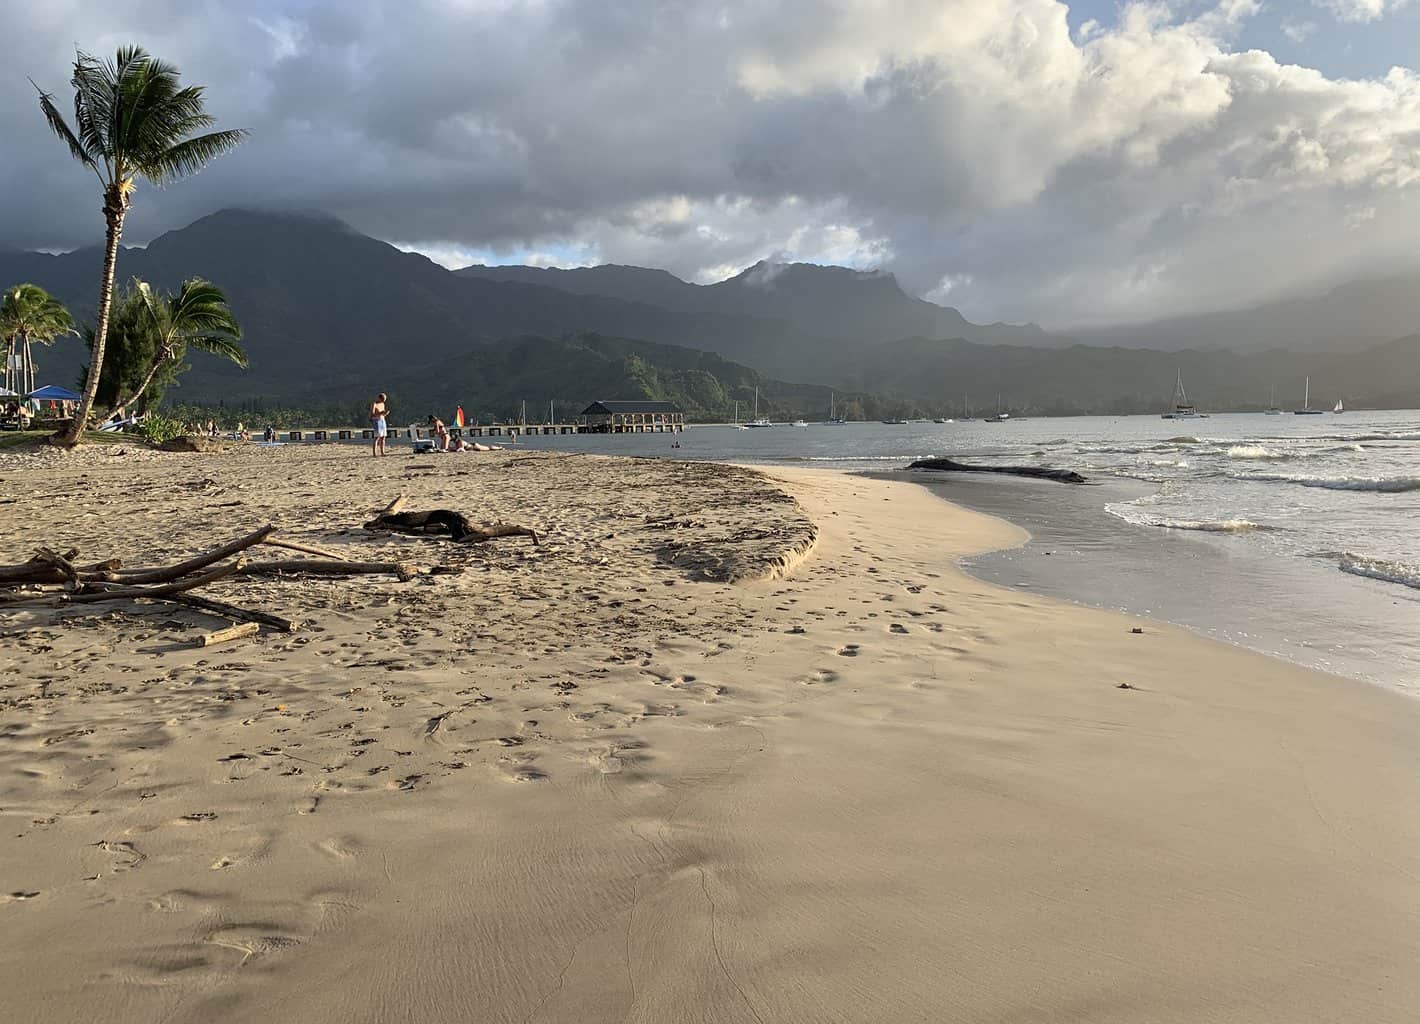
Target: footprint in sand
122	856
823	675
251	940
849	651
897	627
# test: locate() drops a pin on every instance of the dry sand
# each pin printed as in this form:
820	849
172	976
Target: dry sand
581	782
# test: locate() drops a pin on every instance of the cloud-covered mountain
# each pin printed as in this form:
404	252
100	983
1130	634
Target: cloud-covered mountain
827	302
331	316
1351	317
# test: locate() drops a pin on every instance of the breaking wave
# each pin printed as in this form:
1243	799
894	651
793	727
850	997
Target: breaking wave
1129	512
1253	451
1404	573
1384	484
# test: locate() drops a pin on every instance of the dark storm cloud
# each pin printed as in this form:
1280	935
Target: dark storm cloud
977	149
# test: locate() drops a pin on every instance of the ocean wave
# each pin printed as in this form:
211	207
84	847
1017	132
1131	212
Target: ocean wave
1404	573
1384	484
1253	451
1195	525
1184	439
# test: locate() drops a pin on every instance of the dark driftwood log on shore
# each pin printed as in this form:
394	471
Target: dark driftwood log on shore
445	521
41	570
233	611
320	567
1064	476
173	572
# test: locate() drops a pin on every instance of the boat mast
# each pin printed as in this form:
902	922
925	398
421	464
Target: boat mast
1307	395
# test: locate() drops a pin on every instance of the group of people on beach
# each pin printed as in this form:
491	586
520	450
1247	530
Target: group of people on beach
444	441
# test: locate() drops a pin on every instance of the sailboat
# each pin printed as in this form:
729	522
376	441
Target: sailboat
1001	415
738	424
966	416
1272	408
834	420
1306	409
758	420
1182	409
1339	408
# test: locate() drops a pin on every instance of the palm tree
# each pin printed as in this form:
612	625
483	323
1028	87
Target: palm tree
196	317
29	313
131	119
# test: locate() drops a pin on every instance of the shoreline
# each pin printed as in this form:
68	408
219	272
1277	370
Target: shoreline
575	783
1080	553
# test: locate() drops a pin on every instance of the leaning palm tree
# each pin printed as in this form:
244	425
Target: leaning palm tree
197	317
132	119
29	313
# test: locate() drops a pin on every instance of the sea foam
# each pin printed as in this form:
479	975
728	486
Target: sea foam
1253	451
1384	484
1404	573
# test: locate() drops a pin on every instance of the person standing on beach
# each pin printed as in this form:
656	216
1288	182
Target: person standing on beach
379	414
439	432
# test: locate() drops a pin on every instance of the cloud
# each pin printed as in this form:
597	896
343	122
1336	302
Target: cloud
1361	10
978	150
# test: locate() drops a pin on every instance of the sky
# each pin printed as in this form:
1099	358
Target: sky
1024	160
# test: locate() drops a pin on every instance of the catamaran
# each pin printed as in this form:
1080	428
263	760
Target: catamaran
758	420
1306	409
1182	409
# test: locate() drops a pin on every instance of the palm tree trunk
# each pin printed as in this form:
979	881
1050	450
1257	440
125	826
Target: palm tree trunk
9	359
115	206
158	362
29	364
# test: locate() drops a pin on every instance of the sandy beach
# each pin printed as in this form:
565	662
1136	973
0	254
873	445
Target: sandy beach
726	746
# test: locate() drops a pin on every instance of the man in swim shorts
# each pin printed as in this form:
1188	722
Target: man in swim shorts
379	412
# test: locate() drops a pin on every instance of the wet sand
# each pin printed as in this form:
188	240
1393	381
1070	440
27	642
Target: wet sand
725	747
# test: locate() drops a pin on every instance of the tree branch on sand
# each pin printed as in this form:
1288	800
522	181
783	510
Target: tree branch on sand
54	579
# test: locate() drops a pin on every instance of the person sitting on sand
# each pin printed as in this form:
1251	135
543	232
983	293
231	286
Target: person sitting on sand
439	432
379	415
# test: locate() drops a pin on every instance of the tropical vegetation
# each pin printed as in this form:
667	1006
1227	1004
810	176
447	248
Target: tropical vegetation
28	313
150	333
132	119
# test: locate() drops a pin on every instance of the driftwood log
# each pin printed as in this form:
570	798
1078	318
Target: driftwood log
1063	476
222	636
442	521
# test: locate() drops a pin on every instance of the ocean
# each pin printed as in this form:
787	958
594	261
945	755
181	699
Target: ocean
1292	535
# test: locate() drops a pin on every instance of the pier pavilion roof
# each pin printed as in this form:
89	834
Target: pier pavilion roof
620	408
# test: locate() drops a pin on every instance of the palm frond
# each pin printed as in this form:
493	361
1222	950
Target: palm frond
30	310
191	156
219	345
60	127
95	101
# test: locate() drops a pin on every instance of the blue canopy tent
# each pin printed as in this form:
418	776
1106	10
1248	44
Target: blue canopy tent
53	393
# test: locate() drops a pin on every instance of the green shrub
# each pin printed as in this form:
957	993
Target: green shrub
157	428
